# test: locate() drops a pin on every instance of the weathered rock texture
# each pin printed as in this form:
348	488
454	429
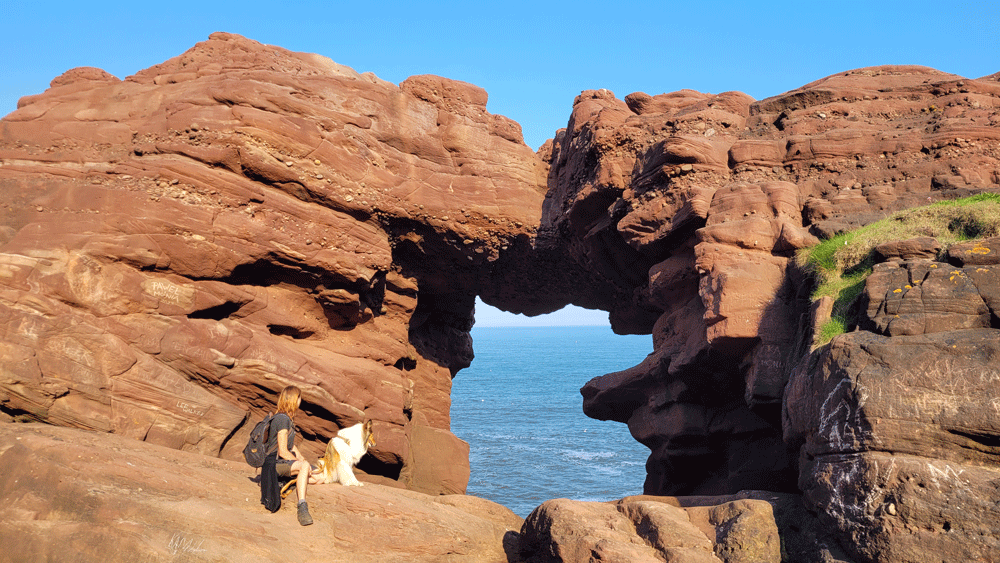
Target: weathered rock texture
681	215
177	247
898	424
74	495
638	529
752	526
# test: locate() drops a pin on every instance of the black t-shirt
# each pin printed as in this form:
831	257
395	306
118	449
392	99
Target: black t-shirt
281	421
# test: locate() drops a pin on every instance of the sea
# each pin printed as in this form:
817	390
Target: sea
519	407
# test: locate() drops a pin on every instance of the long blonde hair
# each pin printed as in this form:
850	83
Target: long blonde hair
288	400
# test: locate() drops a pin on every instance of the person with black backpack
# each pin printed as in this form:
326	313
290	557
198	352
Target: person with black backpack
288	461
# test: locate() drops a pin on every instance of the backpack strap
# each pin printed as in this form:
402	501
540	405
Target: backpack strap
267	434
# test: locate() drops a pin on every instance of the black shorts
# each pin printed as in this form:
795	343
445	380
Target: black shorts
284	467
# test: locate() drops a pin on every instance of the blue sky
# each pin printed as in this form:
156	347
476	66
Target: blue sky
487	316
532	58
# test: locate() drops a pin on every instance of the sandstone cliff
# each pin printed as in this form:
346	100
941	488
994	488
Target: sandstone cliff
684	213
178	246
686	209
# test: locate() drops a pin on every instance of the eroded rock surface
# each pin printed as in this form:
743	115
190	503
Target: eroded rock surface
897	425
681	214
75	495
178	246
752	526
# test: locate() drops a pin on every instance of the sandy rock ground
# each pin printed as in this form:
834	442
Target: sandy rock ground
73	495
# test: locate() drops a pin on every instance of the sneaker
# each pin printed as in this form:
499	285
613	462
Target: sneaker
304	518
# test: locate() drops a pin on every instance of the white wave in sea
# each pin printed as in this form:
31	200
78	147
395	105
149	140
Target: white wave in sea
588	456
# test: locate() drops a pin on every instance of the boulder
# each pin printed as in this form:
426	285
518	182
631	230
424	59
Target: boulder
751	526
898	438
920	247
924	297
982	252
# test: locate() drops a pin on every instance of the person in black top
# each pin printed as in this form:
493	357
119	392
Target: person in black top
290	461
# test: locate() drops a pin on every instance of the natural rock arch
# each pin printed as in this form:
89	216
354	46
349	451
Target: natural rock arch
177	246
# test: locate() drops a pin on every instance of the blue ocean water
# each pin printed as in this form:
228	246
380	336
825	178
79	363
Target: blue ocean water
519	407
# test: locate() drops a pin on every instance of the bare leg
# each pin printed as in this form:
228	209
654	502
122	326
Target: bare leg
301	470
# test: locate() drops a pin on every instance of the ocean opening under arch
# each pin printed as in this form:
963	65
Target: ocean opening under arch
519	407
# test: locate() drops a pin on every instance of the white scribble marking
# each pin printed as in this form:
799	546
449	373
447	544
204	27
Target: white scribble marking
189	408
180	544
948	474
840	418
843	481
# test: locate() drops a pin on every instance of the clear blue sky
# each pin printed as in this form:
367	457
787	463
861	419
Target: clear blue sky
532	58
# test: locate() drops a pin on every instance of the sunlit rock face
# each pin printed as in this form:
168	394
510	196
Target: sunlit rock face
178	246
94	497
897	424
681	215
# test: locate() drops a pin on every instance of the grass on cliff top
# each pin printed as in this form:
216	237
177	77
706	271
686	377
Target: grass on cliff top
842	264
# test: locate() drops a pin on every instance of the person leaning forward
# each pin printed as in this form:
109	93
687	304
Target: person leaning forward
289	461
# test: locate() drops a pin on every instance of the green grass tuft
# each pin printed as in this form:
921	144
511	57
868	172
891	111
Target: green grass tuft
843	263
830	328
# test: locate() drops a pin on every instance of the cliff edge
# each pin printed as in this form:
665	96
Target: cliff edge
682	214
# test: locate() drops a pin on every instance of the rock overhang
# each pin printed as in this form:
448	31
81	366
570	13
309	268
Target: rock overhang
243	217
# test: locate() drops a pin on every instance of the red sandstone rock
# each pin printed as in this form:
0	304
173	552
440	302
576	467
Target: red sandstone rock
898	438
697	248
652	529
683	222
982	252
178	246
924	297
920	247
73	495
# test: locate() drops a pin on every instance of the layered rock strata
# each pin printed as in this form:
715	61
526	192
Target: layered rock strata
178	246
684	212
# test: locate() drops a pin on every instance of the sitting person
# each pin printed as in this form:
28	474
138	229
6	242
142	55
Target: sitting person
290	462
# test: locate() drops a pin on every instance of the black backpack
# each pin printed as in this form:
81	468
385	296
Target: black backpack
254	452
